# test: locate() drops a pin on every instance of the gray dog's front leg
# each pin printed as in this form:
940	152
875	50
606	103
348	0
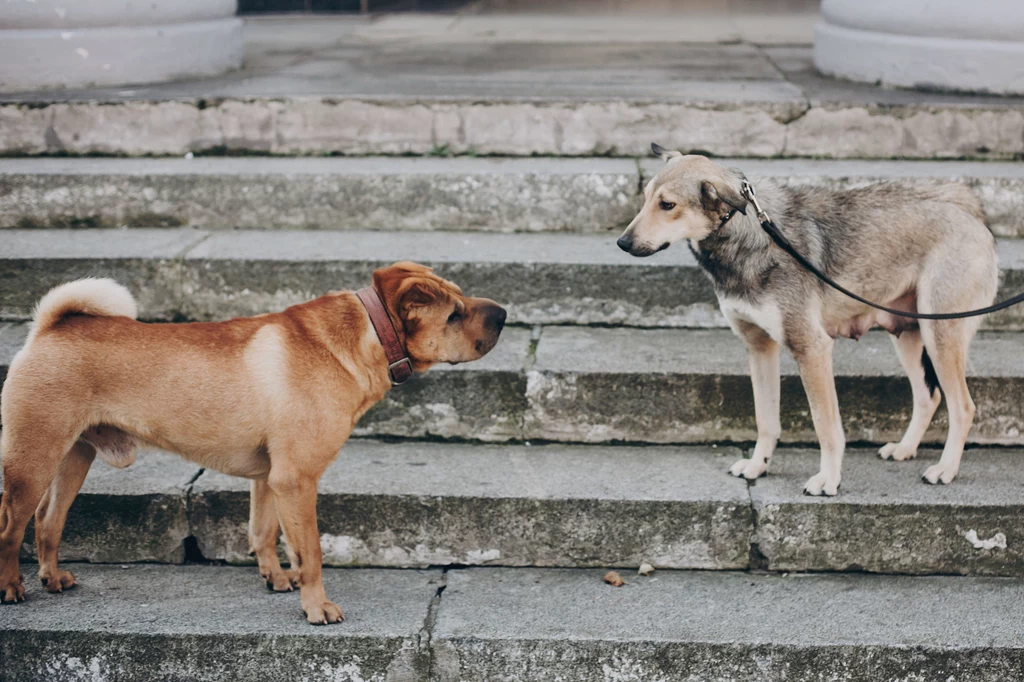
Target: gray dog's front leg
764	355
814	359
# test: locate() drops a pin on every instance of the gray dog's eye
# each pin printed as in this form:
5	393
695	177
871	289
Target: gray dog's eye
666	205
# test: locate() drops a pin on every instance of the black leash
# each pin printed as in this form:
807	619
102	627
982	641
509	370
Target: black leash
772	230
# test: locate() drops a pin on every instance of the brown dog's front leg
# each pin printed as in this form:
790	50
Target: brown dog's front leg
295	495
263	532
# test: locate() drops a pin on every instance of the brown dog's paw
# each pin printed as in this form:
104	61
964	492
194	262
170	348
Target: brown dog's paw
13	591
281	581
62	580
327	612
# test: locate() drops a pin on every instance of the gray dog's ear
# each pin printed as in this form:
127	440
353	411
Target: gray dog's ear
663	153
728	189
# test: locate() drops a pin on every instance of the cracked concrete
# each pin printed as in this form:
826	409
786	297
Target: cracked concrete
154	623
409	504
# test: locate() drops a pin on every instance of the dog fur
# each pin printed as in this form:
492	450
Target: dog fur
271	398
910	247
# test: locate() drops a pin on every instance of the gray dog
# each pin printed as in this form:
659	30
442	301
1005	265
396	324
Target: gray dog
919	249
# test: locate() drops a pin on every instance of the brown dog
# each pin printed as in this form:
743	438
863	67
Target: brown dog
272	398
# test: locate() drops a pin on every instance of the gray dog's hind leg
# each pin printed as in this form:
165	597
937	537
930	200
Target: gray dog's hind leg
947	343
910	347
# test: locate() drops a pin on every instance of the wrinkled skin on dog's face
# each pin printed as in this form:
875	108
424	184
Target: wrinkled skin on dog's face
440	324
686	200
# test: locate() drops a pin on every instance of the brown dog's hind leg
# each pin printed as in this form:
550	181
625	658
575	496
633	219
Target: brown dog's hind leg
263	532
29	469
295	495
52	512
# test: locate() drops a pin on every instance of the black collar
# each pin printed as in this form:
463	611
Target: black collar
727	218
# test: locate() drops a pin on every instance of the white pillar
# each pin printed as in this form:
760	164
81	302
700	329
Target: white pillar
968	45
83	43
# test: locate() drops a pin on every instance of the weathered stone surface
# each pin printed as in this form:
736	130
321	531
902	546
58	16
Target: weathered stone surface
151	623
187	274
887	521
24	129
423	504
599	385
135	514
211	623
390	194
317	126
147	264
569	625
502	195
722	119
851	131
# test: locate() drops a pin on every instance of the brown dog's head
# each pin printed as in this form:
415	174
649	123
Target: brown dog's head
686	200
438	322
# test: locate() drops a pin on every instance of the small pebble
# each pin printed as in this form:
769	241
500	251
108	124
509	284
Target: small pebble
614	579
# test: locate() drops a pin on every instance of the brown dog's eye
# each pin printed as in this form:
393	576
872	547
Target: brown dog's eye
666	205
454	317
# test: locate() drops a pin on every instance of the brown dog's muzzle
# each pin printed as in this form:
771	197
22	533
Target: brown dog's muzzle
493	317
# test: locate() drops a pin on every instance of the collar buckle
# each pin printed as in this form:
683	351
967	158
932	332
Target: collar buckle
403	376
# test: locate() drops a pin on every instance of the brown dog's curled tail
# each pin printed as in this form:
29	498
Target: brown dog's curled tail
89	296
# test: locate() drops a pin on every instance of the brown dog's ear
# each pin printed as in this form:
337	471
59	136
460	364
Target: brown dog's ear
727	189
418	292
387	280
664	154
394	281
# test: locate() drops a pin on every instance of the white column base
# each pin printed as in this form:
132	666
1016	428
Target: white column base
33	59
987	66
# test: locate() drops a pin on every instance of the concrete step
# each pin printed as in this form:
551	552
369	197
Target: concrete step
597	385
415	504
394	194
318	87
187	274
213	623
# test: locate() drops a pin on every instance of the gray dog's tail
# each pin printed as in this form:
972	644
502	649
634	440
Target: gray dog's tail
930	377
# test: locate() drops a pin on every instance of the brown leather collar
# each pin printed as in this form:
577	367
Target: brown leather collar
399	364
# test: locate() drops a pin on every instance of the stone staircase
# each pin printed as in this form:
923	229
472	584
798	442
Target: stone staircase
469	524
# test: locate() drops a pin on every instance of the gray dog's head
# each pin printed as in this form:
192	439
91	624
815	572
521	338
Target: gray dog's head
686	200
